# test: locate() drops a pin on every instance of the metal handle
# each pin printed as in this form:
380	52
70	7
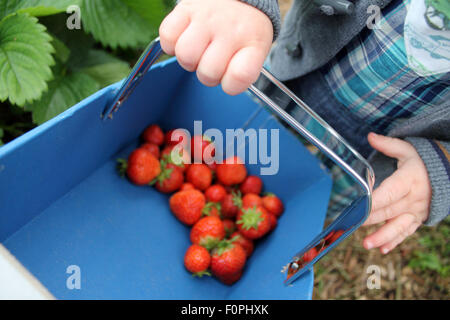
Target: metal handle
151	54
278	97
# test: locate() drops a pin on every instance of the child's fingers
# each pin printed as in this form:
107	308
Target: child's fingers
391	190
388	212
191	45
401	226
171	28
392	147
243	70
214	63
388	247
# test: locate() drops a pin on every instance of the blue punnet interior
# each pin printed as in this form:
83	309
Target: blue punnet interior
63	203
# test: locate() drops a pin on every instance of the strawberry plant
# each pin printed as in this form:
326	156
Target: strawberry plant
46	67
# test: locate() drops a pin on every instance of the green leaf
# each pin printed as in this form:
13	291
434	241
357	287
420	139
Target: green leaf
103	67
25	59
1	136
36	8
62	53
64	91
122	23
152	11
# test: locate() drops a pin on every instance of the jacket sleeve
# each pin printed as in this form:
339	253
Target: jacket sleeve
272	10
436	156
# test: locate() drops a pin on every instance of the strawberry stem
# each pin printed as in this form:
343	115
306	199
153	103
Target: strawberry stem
237	198
250	218
201	274
122	166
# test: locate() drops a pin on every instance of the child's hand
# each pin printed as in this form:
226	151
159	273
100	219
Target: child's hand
402	200
226	41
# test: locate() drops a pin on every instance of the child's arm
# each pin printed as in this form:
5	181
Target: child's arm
225	41
417	192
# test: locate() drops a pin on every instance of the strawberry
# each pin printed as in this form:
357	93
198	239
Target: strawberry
180	159
187	186
227	259
153	148
231	204
141	168
177	136
250	200
253	223
232	278
215	193
207	232
212	209
310	255
199	175
329	235
245	243
230	227
202	149
251	184
170	180
335	236
273	204
273	221
153	134
187	206
212	166
231	172
197	260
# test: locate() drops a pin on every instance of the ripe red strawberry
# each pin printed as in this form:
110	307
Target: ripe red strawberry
273	204
227	259
251	200
335	236
310	255
208	232
199	175
232	278
153	148
231	172
153	134
177	136
187	206
245	243
251	184
253	223
187	186
231	204
197	260
212	166
212	209
202	149
180	159
170	180
141	168
230	227
328	236
273	221
215	193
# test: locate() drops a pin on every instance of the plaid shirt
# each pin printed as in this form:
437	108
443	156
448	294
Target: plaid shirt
371	78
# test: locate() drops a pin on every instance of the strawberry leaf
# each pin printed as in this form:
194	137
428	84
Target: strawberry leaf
122	23
36	8
103	67
25	59
67	89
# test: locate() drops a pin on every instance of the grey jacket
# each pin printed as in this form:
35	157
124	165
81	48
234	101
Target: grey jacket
309	39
